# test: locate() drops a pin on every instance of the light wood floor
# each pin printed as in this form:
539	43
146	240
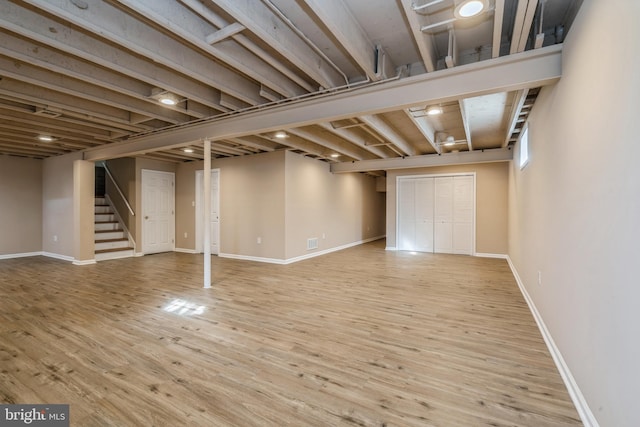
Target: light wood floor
360	337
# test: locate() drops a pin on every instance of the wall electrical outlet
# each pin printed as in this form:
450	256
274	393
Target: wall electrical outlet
259	240
539	277
185	234
55	238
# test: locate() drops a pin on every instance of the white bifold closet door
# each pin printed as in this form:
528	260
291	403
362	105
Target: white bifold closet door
436	214
415	214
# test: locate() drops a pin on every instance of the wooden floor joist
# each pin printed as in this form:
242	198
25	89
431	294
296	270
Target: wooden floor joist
360	337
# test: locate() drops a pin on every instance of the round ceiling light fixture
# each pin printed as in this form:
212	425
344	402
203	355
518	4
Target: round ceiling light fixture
169	99
434	110
281	134
470	8
45	138
165	97
188	150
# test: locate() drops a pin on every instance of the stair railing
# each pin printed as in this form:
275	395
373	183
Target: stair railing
115	184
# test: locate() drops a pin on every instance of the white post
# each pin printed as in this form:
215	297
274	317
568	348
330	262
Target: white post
207	213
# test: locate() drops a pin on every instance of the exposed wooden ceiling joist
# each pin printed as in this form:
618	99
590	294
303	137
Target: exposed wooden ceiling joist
529	69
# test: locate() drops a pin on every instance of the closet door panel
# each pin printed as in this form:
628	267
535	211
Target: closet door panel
443	229
406	215
424	215
463	212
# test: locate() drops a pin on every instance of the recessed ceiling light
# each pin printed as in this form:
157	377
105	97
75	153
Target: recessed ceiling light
188	150
470	8
281	134
169	99
335	155
165	97
434	110
45	138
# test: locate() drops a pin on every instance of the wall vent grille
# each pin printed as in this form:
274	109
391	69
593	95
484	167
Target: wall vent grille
312	243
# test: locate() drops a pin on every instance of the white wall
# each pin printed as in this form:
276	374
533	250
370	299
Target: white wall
574	211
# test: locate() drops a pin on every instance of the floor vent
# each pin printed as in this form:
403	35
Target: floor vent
312	243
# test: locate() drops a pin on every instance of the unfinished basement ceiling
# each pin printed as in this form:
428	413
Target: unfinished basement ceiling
90	74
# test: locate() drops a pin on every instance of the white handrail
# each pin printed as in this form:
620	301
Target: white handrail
115	184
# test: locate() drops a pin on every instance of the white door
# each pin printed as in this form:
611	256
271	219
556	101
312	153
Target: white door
436	214
443	227
215	211
424	214
415	214
463	213
158	207
406	215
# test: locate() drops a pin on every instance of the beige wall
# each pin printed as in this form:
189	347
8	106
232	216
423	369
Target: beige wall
338	209
124	173
251	204
83	211
20	205
185	204
57	205
491	203
575	209
282	198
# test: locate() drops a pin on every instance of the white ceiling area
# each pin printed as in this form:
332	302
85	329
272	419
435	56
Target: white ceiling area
349	82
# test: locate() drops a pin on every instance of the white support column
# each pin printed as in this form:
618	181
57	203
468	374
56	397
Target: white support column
207	213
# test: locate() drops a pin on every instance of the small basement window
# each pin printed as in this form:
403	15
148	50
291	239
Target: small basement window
524	147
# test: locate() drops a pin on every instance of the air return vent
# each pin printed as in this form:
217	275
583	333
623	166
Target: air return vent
312	243
46	112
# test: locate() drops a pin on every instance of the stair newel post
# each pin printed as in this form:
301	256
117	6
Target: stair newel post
207	213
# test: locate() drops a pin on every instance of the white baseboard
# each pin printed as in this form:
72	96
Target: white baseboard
58	256
298	258
390	248
487	255
21	255
85	262
585	413
252	258
185	251
335	249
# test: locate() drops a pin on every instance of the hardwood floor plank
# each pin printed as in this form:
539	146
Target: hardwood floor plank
360	337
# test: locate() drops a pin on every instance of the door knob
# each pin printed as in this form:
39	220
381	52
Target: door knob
146	217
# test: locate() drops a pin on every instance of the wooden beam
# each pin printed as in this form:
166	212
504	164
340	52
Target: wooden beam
429	160
335	15
260	20
529	69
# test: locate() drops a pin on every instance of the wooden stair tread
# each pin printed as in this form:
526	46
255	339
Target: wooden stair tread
121	239
102	251
113	226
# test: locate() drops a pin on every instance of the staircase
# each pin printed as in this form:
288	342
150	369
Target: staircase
111	241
